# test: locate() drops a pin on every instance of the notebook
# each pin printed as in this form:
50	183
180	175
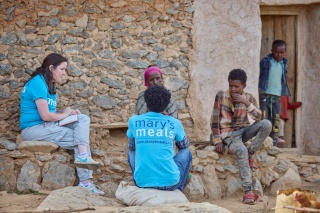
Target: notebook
68	120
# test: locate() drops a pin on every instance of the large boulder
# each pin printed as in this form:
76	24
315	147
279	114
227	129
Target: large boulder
289	180
74	198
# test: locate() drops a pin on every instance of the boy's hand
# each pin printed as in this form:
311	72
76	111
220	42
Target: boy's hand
219	148
240	99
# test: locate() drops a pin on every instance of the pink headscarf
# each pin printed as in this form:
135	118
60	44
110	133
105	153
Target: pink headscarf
150	70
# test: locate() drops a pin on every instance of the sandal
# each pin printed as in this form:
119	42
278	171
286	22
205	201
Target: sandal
253	164
250	198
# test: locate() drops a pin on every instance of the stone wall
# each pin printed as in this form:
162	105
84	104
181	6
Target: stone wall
41	165
226	36
310	90
108	45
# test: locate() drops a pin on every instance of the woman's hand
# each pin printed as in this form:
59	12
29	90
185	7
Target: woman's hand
75	112
67	111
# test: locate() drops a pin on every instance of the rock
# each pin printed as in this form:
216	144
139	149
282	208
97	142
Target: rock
268	176
103	24
29	175
109	65
38	146
119	26
133	54
5	69
73	70
289	180
313	178
137	64
195	188
16	154
8	179
9	39
231	168
175	83
211	182
274	151
83	21
54	22
109	188
44	30
283	165
58	176
116	43
74	198
265	160
202	153
38	42
233	185
78	32
8	145
306	171
104	101
113	83
21	23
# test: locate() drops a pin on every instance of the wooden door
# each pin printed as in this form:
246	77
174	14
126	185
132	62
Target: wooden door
283	27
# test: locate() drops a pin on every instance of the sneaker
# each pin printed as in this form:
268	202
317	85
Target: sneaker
93	188
86	163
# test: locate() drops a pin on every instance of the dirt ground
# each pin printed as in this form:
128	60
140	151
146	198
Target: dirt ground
11	202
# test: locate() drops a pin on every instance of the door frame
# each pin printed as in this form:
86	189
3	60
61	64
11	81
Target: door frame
300	12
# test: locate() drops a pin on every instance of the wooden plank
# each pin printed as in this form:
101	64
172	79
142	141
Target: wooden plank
111	125
290	38
300	158
267	35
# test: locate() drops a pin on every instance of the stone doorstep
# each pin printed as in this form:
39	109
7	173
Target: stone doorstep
300	158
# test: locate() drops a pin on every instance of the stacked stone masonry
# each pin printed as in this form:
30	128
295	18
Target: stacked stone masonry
108	45
35	165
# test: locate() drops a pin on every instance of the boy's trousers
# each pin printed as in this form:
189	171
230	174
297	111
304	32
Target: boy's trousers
270	107
235	143
68	137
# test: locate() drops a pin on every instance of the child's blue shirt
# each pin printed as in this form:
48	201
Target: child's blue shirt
154	135
275	75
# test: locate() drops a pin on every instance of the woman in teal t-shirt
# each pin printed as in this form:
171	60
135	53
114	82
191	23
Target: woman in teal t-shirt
39	119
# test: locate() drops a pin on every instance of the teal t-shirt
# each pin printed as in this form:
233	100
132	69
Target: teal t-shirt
34	89
154	135
275	76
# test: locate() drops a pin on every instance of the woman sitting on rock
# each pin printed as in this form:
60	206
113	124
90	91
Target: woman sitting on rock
39	118
153	76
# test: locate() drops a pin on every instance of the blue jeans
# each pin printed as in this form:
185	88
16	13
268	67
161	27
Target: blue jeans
183	160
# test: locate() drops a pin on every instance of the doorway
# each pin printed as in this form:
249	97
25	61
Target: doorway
283	27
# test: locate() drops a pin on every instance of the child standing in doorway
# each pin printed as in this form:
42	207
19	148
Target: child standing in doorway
273	84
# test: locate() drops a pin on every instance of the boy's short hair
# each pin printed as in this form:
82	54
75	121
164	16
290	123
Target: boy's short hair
157	98
278	43
238	74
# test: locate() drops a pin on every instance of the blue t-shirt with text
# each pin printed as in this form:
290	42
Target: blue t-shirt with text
34	89
154	135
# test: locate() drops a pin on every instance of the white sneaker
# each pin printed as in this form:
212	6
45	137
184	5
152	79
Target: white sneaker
86	163
93	188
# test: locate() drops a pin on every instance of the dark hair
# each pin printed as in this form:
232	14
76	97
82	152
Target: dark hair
157	98
278	43
51	59
238	74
